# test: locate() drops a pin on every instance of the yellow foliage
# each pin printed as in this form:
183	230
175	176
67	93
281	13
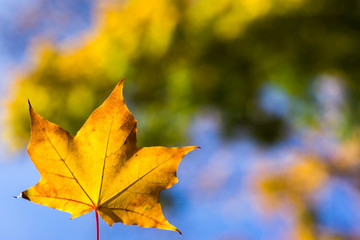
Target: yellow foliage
122	32
303	232
101	168
299	179
295	181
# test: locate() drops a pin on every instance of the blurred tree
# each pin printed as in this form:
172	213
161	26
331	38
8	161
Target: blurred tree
183	56
299	183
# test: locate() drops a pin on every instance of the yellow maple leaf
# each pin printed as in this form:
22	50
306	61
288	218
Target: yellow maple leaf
101	168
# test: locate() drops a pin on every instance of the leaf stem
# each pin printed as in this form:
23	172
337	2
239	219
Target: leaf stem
97	224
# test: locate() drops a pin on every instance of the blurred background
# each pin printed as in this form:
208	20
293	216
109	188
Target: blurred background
268	88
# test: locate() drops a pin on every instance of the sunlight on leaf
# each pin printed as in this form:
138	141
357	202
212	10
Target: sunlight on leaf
101	168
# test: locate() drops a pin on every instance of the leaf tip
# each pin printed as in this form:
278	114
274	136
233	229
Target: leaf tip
121	82
193	148
178	231
29	104
22	195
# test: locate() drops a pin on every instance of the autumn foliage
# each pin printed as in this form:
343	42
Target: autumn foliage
101	168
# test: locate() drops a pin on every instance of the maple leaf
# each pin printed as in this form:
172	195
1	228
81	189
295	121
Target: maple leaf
101	168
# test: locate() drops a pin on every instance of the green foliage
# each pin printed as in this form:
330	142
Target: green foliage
182	56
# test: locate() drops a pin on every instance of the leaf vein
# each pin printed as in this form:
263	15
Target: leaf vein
63	160
62	198
133	183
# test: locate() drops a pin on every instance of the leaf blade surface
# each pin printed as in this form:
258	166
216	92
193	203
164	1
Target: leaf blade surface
102	168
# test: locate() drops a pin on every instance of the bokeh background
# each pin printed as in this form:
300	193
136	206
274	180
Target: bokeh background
270	90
